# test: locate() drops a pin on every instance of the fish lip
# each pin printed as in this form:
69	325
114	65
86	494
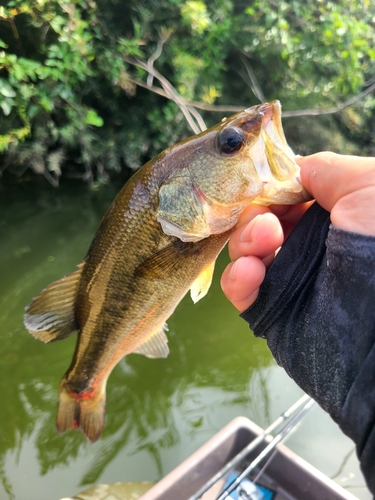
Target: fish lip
271	111
268	109
304	193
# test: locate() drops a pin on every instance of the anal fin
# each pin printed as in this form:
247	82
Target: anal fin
50	315
156	345
202	284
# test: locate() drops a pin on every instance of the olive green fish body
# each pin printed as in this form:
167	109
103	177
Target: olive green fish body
115	289
160	238
131	280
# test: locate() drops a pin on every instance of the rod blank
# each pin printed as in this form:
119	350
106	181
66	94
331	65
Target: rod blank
285	416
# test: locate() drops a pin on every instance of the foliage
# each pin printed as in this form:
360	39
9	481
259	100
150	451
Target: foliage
70	97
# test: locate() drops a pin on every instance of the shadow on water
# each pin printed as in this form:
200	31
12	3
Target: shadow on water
151	404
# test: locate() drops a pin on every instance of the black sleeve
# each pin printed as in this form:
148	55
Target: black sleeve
316	308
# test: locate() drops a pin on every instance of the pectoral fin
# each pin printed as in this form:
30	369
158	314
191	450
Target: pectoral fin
50	315
170	258
156	345
202	284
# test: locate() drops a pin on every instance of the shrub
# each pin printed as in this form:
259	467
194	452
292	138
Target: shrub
71	93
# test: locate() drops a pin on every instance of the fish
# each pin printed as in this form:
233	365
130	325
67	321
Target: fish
159	239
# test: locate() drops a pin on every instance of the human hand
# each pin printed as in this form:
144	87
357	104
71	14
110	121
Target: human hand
342	185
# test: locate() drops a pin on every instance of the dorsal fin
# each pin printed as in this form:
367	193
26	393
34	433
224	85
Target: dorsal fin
156	345
50	315
202	284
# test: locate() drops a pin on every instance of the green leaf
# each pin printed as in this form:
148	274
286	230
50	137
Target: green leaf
6	107
6	90
92	118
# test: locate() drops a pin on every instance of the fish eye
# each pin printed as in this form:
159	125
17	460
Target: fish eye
230	140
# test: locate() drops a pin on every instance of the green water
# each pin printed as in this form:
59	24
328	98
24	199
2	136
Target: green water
158	411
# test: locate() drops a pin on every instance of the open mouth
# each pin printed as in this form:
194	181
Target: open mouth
275	161
272	126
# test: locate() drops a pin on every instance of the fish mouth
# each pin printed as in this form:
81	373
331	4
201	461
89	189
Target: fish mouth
274	160
272	125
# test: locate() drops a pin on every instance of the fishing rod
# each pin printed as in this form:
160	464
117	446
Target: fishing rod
303	405
279	438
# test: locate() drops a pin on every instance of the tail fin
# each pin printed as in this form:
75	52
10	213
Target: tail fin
84	411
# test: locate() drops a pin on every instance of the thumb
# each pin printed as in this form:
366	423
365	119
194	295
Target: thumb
343	185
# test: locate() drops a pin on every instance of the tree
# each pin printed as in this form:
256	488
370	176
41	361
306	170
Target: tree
78	91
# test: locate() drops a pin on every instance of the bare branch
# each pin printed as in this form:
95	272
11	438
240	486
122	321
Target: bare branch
197	116
225	108
330	111
234	109
172	94
158	52
50	178
370	81
10	20
254	85
194	104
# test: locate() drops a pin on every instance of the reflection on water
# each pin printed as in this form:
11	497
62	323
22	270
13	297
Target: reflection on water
158	411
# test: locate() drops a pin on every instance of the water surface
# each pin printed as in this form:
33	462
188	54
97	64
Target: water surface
158	411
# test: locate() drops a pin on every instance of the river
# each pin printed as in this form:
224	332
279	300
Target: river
158	411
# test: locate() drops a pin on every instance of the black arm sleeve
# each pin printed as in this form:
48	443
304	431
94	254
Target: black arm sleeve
316	308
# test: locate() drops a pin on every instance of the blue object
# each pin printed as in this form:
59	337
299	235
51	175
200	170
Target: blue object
247	490
267	494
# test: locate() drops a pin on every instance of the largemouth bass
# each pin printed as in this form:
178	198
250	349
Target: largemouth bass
159	238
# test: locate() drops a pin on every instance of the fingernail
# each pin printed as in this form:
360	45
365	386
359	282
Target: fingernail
245	236
233	270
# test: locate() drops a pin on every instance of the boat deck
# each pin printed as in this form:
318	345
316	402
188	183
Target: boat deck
287	476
